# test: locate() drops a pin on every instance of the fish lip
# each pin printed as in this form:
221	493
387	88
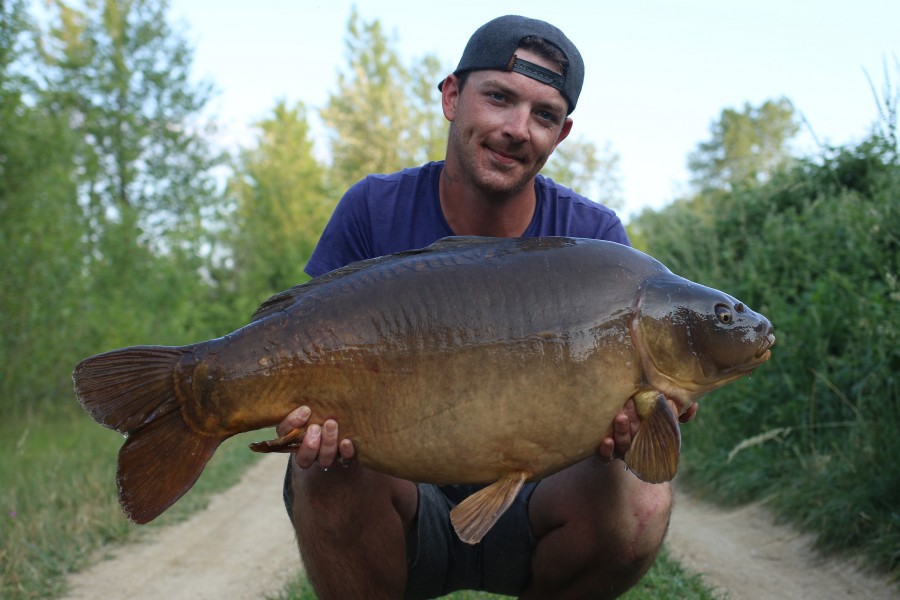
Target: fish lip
765	348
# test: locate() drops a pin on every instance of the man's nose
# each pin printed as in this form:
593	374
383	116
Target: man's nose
516	124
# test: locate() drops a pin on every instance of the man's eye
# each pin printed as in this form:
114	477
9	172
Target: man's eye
547	116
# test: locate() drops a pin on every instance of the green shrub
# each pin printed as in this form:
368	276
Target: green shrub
817	429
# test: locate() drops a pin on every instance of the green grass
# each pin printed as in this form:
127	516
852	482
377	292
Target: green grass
58	498
666	580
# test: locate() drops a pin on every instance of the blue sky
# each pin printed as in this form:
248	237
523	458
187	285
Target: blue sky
657	72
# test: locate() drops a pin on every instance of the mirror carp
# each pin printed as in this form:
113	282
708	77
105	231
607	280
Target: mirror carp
474	360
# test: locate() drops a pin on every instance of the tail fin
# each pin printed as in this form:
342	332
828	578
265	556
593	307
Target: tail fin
133	390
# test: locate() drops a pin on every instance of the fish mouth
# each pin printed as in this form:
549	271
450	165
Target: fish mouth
765	348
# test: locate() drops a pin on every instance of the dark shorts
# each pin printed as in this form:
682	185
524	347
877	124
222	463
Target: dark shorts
440	563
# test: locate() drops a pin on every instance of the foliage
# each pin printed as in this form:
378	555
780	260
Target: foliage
578	164
384	116
746	146
122	77
105	192
817	250
119	74
40	239
282	206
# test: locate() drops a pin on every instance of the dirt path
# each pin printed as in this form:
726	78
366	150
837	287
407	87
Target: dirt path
242	547
743	552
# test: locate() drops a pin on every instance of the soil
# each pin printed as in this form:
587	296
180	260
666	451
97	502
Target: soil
242	547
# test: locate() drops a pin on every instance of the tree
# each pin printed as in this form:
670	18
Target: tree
746	147
282	207
120	76
384	116
40	234
578	164
426	114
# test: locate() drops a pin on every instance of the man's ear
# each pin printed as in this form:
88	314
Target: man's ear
450	96
566	130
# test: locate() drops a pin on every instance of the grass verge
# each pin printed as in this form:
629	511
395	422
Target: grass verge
58	498
666	580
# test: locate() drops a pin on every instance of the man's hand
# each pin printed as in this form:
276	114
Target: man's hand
688	415
320	442
625	427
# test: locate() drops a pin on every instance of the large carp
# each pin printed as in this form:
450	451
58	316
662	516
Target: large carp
474	360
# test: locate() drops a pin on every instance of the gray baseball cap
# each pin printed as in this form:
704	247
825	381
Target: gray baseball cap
493	47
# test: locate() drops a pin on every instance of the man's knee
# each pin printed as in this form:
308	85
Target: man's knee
634	532
645	522
598	529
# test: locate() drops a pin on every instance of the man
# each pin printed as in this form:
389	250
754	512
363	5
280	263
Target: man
589	531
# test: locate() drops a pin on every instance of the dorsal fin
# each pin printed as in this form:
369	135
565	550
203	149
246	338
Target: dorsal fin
282	300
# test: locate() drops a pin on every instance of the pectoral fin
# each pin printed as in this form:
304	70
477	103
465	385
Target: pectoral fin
474	516
653	455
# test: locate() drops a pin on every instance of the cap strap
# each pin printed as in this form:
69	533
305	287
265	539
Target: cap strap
538	72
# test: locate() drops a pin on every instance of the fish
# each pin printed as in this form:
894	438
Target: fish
492	361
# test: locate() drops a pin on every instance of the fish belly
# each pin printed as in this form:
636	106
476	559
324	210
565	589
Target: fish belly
473	417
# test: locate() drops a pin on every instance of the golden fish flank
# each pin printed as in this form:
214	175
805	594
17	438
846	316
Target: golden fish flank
516	352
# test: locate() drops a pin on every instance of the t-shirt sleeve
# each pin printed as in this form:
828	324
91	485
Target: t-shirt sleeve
614	232
347	236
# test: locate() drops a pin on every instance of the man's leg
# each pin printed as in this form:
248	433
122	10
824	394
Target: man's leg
351	526
599	529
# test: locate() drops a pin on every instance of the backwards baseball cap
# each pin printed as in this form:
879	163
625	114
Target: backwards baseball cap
493	47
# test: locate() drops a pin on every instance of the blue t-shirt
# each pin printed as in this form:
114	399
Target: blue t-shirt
383	214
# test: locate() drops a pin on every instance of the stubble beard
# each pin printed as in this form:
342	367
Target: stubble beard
492	183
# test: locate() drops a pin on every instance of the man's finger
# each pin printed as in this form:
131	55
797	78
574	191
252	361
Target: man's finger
296	418
347	450
309	449
622	434
688	415
607	447
328	449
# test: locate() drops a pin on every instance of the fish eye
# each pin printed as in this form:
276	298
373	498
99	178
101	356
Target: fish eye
723	313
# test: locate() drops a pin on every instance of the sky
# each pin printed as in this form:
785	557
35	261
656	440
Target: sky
658	73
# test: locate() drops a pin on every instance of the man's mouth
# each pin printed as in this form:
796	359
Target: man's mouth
504	157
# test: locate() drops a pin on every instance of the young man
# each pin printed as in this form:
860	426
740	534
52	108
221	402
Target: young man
589	531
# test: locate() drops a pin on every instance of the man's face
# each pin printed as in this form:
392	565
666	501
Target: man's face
504	126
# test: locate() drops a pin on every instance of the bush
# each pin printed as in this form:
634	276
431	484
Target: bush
817	429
